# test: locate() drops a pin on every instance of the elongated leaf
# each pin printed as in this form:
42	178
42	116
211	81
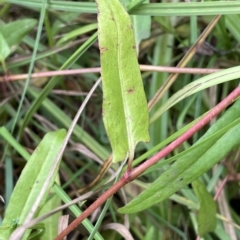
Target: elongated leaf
4	48
65	121
63	17
233	26
15	31
58	190
51	223
77	32
150	234
152	9
125	110
190	165
32	179
47	89
193	162
196	86
207	212
228	117
141	25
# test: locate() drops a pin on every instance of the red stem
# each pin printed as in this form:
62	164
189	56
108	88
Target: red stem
130	176
149	68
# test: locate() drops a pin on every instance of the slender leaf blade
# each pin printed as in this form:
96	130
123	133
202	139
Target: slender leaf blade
154	9
4	48
193	162
33	177
207	220
15	31
141	24
51	223
196	86
125	112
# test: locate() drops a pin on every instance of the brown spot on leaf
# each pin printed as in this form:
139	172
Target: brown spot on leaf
134	47
103	49
112	16
131	90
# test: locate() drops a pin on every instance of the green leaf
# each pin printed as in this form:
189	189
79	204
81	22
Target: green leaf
196	86
125	112
32	179
150	234
141	24
51	223
14	32
142	27
228	117
154	9
75	210
54	80
64	17
4	48
232	25
193	162
15	144
64	120
77	33
207	220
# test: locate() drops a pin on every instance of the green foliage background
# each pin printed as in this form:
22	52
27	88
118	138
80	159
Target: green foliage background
38	36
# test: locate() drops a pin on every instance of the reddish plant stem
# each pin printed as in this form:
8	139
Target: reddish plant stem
219	191
231	172
130	176
149	68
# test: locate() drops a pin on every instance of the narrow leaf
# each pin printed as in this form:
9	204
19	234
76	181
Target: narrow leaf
207	212
196	86
4	48
142	27
193	162
141	24
125	112
51	223
15	31
33	177
153	9
190	164
76	33
228	117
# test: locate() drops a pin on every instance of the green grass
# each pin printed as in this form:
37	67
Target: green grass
64	36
